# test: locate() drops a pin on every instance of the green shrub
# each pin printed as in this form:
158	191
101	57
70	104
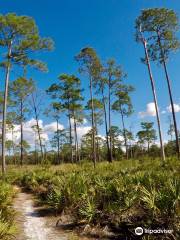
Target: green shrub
129	191
6	213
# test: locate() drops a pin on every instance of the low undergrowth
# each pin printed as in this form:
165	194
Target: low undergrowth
121	195
6	213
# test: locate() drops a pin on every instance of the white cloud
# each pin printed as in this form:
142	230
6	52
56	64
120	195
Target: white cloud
176	108
52	127
102	137
29	134
32	122
46	131
121	138
150	111
82	130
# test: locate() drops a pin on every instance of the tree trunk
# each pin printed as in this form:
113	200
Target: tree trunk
131	150
58	142
130	144
110	135
124	132
5	110
148	147
106	127
61	146
98	150
97	142
76	141
155	101
93	125
21	109
13	147
35	149
170	95
78	152
70	135
37	125
113	148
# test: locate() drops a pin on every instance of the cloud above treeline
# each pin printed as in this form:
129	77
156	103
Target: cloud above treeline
176	108
46	129
151	110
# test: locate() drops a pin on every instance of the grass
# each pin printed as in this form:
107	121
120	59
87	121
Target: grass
122	195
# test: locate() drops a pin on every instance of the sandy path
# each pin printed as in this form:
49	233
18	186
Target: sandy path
31	225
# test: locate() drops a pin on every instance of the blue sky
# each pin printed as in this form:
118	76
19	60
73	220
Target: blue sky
107	26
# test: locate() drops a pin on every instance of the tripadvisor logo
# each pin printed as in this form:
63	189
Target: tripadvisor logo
139	231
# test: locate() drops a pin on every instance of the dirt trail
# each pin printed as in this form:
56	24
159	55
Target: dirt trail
33	226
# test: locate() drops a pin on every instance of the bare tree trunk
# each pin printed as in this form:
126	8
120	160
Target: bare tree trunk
76	141
124	133
170	95
58	141
35	149
70	135
131	144
131	152
5	110
37	125
78	152
148	147
98	150
155	100
14	157
93	124
110	135
21	109
97	142
61	146
106	127
113	148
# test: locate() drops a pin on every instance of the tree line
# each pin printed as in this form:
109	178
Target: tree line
109	93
